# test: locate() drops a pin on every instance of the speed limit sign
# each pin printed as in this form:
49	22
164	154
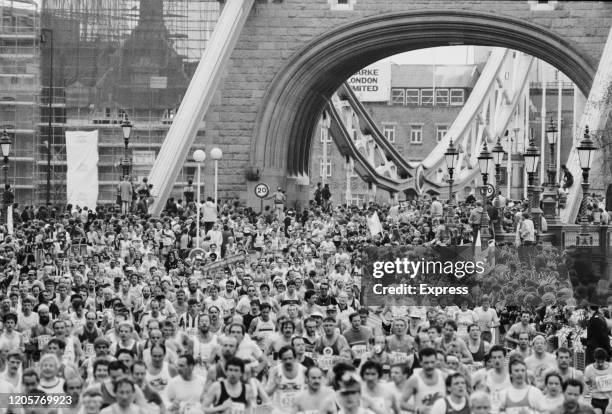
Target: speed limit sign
262	190
488	191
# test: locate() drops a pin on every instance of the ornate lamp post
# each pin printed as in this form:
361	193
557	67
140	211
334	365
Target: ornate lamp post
586	149
5	147
550	196
484	159
532	160
216	154
126	162
198	156
498	157
451	156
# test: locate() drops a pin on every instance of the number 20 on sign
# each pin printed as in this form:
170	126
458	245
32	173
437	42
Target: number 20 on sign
261	191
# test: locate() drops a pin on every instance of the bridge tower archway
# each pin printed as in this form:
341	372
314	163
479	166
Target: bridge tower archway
293	103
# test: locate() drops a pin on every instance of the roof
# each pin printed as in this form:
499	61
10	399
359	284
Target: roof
421	76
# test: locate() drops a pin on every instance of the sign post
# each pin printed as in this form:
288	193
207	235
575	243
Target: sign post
488	191
261	191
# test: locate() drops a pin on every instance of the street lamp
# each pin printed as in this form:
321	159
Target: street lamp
484	159
126	129
198	156
551	135
451	156
586	148
5	147
216	154
532	159
551	194
498	157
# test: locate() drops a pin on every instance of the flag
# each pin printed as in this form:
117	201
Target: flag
374	224
478	248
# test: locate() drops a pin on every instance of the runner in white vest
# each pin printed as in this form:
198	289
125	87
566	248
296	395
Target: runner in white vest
286	380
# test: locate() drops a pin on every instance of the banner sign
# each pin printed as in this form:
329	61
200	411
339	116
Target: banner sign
82	168
222	263
372	83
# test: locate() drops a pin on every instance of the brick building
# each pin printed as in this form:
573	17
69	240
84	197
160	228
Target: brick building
421	108
424	101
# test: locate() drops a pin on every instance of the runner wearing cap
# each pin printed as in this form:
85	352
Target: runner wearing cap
329	344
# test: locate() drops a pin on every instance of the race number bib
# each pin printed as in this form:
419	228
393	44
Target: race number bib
287	400
26	335
475	366
43	340
359	350
326	362
89	350
237	408
603	383
192	332
519	410
399	357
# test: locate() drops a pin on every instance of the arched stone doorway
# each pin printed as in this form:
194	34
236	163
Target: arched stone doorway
295	99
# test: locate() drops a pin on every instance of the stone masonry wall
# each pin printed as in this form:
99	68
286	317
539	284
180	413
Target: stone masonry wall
277	30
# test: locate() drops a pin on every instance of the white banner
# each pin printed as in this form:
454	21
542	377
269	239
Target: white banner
372	83
82	168
374	224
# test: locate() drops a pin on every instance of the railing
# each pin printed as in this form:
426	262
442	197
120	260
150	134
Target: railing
576	238
551	85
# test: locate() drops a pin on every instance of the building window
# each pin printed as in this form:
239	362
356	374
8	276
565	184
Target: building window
416	134
325	169
412	97
397	96
324	135
440	132
441	97
456	97
503	171
342	5
426	97
389	132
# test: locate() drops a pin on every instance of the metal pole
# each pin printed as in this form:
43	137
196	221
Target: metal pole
50	120
543	126
216	181
5	194
484	224
582	214
198	212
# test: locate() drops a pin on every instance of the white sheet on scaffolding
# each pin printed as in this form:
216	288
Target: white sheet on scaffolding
82	168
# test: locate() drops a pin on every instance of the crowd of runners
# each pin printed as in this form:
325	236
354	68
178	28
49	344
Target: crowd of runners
127	313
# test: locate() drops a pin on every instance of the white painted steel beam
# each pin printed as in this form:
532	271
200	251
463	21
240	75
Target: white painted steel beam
196	101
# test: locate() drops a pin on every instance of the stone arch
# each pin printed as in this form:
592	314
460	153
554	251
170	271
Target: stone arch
296	97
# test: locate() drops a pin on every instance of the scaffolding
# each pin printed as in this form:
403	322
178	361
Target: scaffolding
101	60
19	87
